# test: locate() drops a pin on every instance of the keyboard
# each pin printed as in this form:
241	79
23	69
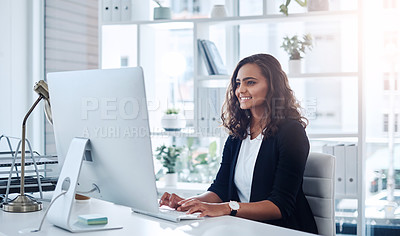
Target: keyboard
170	214
180	214
31	184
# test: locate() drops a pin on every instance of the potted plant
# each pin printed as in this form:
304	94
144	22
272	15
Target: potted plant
160	12
284	7
296	48
172	120
168	157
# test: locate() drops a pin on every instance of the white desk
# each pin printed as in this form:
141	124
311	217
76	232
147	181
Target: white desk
136	224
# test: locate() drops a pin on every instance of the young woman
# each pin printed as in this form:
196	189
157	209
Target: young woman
261	173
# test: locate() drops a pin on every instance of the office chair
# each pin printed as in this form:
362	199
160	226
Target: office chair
319	189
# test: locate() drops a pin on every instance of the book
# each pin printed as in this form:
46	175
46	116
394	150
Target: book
93	219
214	57
205	58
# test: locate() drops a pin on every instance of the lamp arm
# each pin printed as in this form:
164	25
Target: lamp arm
22	190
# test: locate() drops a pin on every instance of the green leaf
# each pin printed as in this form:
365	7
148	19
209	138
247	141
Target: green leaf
212	149
284	8
302	3
202	158
172	111
190	142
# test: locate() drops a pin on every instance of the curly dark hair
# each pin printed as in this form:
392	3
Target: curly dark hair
280	102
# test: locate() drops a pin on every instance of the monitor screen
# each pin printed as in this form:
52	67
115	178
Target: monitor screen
109	108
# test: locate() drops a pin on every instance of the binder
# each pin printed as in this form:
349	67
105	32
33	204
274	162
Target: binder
126	11
214	108
205	58
339	153
106	9
202	114
328	149
214	57
351	169
116	10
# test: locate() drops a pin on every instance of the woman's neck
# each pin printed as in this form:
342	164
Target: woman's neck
257	125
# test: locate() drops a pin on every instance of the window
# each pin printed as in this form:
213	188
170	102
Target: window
71	42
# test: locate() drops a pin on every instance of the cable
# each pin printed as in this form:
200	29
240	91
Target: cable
51	203
94	189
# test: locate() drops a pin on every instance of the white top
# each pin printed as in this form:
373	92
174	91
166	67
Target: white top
245	166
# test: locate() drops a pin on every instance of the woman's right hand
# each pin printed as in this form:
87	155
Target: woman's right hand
170	200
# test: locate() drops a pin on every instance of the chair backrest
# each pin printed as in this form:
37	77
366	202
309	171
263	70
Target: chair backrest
319	189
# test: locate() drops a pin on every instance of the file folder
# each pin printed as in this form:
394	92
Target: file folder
116	10
106	9
351	170
328	149
339	153
214	108
126	11
202	114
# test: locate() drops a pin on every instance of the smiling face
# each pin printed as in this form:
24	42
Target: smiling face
251	89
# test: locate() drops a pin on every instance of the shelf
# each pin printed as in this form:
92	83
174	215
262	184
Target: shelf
188	132
213	77
274	18
192	133
382	140
322	75
331	135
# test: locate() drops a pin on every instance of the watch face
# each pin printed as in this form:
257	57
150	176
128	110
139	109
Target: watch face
234	205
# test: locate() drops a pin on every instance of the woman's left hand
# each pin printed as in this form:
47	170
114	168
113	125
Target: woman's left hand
205	208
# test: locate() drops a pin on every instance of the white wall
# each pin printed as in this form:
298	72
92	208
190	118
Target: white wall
20	66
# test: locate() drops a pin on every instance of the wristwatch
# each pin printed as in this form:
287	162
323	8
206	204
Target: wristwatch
234	205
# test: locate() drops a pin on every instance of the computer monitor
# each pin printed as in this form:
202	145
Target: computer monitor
109	108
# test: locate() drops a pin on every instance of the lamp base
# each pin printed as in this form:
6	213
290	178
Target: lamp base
22	204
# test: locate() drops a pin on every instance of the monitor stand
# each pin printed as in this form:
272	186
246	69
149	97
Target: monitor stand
60	212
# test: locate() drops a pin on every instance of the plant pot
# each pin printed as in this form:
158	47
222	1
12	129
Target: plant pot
162	13
294	67
173	122
318	5
171	179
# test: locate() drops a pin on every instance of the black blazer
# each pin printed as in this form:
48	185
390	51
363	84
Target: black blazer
278	175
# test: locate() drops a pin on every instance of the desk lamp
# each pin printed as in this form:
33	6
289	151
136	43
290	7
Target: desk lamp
23	203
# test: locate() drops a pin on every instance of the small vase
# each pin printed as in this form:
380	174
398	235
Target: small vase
171	179
294	67
162	13
218	11
318	5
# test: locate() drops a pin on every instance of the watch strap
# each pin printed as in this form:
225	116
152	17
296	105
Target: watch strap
233	212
